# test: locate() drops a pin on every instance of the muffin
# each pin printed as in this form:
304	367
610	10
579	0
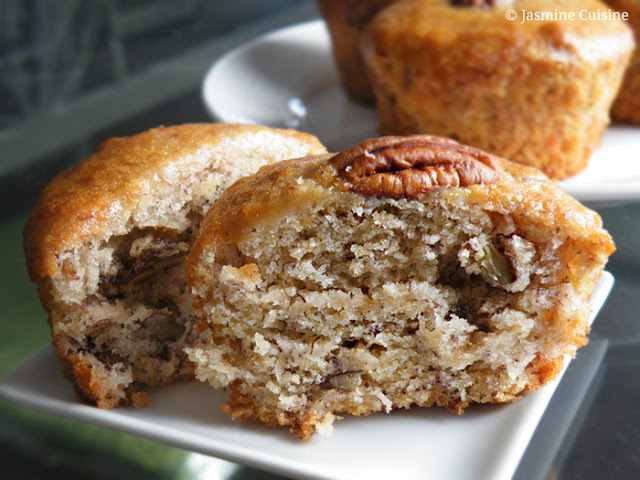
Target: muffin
403	271
107	244
537	92
626	107
345	20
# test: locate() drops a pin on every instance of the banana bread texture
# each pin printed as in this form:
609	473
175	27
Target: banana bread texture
406	270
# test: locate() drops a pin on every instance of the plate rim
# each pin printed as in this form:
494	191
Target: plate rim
613	191
239	50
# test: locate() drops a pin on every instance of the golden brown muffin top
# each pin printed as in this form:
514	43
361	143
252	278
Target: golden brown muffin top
405	25
492	183
101	194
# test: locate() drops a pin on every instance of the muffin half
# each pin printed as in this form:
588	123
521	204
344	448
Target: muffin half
406	270
107	245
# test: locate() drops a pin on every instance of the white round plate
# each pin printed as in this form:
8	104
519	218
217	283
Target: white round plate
287	79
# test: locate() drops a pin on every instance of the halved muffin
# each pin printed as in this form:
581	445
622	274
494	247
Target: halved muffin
406	270
107	245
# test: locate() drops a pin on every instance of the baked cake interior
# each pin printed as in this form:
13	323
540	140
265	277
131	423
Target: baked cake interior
124	307
364	303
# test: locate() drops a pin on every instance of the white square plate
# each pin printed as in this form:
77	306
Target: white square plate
486	442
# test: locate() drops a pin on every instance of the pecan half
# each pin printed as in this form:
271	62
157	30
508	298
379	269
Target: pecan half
409	166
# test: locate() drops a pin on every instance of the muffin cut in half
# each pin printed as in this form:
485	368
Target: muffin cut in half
406	270
108	240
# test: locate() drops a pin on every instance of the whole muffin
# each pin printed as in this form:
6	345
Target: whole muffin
402	271
345	20
537	92
107	245
626	107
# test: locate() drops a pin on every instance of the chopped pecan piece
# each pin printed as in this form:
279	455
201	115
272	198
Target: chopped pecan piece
345	381
409	166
